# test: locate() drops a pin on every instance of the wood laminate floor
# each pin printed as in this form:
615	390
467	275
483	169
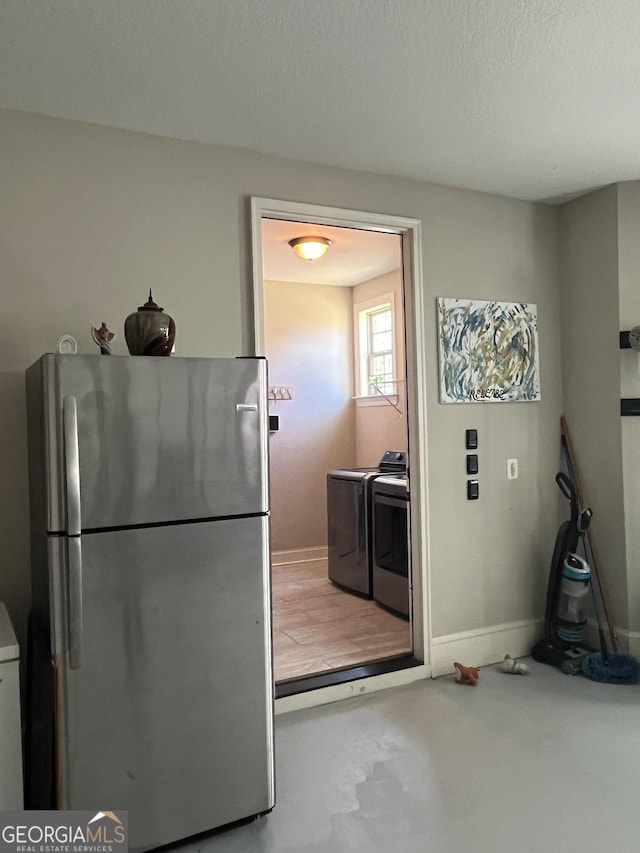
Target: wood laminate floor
318	627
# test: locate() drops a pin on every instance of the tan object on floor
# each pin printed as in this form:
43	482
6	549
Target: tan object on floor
467	674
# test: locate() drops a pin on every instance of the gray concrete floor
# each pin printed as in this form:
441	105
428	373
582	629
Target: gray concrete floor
519	764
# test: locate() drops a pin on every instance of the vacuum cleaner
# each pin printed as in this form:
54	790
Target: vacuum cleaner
569	581
565	614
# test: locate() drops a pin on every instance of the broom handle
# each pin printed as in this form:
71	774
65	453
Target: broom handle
596	610
573	473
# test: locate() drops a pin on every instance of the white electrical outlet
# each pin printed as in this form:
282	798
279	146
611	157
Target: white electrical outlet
512	469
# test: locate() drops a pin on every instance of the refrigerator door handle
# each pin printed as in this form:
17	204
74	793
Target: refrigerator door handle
74	597
72	465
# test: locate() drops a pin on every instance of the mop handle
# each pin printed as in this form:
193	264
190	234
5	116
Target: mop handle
567	446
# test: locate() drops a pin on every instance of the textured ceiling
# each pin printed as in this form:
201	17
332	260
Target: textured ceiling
537	99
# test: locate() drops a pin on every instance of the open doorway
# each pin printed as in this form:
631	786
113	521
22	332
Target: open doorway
334	333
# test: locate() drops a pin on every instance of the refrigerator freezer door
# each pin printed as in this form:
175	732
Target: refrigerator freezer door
159	439
170	715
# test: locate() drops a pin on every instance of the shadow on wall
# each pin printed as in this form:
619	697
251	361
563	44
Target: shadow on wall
15	582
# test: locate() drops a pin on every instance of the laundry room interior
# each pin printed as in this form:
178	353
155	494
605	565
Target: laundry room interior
324	319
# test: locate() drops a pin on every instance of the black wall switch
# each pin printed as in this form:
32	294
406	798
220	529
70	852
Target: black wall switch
274	423
472	463
471	439
473	490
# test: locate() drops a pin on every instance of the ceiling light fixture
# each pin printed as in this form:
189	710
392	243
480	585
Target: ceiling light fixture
310	248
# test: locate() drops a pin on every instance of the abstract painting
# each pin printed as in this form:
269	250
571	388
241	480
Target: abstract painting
488	351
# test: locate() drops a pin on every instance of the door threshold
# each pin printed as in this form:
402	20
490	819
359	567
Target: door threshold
305	683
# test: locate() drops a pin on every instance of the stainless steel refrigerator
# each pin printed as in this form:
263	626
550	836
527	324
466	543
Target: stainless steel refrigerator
150	682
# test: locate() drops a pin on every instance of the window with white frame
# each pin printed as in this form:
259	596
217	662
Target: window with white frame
376	363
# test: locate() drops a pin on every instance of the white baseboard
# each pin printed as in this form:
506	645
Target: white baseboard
628	641
484	646
633	642
298	555
592	637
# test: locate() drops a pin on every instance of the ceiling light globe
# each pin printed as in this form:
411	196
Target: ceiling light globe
310	248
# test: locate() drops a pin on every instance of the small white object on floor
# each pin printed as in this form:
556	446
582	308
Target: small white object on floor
512	666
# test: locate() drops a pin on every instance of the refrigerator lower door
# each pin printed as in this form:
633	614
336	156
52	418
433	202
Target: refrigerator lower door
170	713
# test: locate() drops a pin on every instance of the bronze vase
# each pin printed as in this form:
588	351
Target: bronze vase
149	331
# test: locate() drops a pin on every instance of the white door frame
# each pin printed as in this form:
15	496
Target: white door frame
410	232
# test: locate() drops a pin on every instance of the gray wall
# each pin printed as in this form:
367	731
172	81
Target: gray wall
93	217
308	332
591	374
629	297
